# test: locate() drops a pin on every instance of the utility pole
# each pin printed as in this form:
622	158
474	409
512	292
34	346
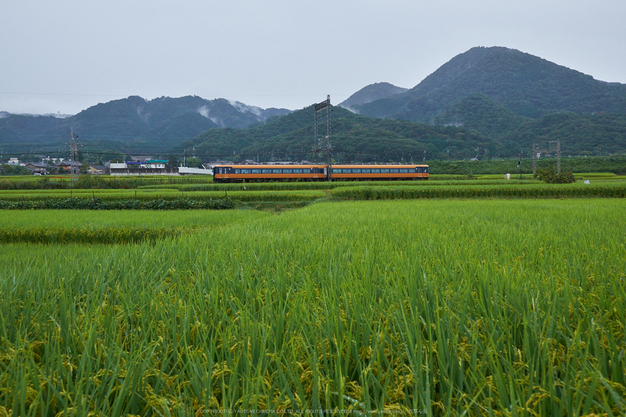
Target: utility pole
323	146
534	159
73	154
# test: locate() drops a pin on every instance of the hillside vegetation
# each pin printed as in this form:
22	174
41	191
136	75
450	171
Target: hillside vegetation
354	138
480	128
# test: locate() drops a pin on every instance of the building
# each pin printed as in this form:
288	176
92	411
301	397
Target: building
156	163
150	167
97	169
69	166
38	168
194	171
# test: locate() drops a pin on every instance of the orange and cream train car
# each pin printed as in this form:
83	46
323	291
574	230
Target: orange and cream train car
263	173
379	172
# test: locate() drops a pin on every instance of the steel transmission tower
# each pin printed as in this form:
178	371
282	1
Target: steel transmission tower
323	145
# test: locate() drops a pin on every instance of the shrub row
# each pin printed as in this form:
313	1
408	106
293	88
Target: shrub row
324	185
530	191
170	195
106	235
119	204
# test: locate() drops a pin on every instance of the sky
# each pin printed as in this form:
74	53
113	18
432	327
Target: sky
65	56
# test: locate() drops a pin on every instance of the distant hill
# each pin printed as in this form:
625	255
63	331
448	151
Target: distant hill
371	93
355	138
524	84
131	124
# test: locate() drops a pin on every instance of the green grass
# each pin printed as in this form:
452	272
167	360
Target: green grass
499	307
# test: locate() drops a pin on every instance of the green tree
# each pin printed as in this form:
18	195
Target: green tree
194	162
172	162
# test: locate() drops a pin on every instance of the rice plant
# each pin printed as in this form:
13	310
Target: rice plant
441	307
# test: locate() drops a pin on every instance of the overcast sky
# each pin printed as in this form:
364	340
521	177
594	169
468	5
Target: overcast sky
65	56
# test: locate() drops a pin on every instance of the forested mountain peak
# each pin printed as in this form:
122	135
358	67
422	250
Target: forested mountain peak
525	84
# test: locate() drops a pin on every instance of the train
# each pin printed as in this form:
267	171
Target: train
318	172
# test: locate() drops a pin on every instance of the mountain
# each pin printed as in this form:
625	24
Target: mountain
132	124
371	93
527	85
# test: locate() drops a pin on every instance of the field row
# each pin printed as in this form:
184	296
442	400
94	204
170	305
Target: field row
101	227
134	218
477	191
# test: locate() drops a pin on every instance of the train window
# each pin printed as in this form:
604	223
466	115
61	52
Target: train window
336	171
394	170
277	171
404	170
356	171
347	171
426	170
376	171
367	171
287	171
245	171
256	171
237	171
267	171
297	171
384	171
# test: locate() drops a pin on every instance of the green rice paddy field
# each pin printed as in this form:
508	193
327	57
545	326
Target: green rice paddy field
411	307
